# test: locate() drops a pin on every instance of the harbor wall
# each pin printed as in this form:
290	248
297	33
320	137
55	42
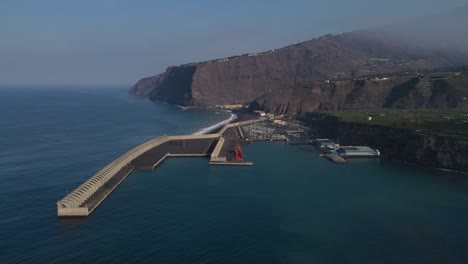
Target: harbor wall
72	212
217	149
76	199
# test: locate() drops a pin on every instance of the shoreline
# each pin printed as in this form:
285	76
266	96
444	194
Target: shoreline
236	116
239	116
216	127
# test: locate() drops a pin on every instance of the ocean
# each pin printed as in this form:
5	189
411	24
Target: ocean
290	207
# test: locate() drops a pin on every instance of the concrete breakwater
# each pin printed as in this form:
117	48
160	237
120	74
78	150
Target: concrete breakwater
85	198
334	157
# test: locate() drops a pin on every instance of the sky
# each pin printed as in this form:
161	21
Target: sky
117	42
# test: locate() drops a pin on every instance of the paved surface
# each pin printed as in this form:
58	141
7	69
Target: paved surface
147	160
231	139
107	188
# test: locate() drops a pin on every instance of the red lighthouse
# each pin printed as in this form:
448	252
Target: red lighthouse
238	153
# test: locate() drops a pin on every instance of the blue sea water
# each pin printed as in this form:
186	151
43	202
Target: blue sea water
290	207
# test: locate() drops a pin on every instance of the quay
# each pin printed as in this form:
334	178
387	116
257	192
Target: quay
336	153
83	200
223	153
358	152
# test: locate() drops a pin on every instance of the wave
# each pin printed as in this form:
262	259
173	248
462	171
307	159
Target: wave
449	170
215	126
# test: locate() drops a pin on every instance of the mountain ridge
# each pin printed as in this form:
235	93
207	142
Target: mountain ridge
254	78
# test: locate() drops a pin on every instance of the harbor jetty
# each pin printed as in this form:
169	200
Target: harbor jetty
223	153
86	198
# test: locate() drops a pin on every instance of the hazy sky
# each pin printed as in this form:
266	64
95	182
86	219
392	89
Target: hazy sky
120	41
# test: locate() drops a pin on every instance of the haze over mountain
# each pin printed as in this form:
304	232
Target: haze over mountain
120	41
443	31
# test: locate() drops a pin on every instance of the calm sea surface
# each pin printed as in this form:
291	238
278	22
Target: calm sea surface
290	207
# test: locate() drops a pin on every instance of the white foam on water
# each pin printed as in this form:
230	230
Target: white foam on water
217	125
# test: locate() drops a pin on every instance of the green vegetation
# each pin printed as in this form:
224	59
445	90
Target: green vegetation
452	123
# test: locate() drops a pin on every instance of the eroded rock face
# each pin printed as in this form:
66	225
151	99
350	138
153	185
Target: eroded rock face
434	151
293	79
403	144
145	85
174	86
402	92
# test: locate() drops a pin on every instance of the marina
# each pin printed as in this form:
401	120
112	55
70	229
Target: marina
223	148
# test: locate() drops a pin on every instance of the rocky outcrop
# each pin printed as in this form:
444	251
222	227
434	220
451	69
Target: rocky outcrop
270	78
173	86
145	85
431	150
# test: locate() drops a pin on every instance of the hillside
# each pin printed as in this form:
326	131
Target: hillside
425	90
323	73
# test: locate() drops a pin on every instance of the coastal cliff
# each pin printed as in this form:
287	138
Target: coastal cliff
405	144
443	90
323	73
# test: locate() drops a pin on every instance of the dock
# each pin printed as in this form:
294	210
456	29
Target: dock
185	146
223	153
336	153
358	152
83	200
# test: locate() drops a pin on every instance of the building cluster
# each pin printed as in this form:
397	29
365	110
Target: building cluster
276	119
231	106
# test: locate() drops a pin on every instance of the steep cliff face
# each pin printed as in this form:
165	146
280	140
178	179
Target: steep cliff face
401	92
173	86
430	150
286	71
146	85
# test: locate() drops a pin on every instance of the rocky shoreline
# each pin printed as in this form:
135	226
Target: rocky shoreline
430	150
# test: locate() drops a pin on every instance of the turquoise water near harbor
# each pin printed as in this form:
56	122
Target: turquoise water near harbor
290	207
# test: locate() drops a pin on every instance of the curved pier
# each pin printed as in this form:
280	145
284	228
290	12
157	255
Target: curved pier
86	198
